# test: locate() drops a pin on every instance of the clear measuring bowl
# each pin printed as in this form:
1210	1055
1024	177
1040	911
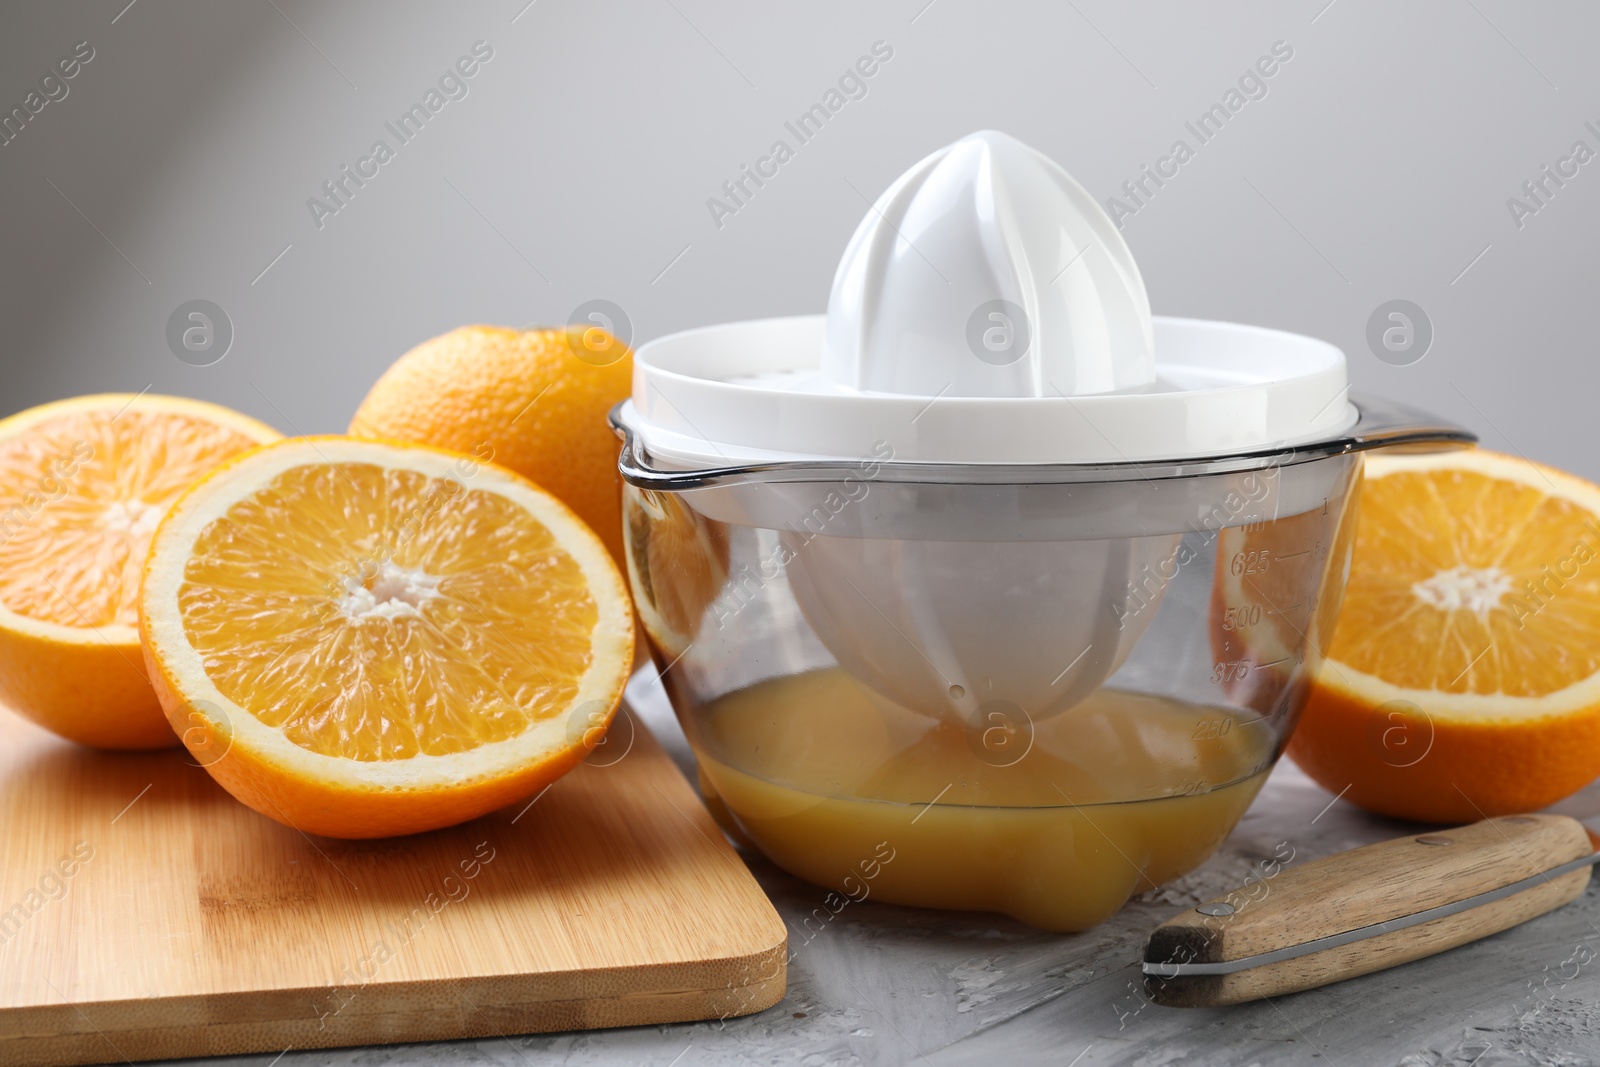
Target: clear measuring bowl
1035	689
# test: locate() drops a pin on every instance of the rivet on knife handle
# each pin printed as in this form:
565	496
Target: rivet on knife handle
1367	909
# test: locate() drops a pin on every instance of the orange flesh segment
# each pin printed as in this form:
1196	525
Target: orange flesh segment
381	614
80	497
1535	555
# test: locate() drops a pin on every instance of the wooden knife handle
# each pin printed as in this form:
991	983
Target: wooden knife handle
1287	908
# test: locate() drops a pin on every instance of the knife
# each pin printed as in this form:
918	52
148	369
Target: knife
1355	912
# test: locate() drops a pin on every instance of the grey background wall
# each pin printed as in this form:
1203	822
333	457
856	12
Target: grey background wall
1377	166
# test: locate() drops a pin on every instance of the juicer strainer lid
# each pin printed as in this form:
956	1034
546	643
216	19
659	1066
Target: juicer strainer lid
986	310
747	392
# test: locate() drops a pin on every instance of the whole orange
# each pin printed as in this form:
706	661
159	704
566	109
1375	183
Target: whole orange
531	400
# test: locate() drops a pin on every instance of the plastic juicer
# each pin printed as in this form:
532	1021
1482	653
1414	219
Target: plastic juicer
989	590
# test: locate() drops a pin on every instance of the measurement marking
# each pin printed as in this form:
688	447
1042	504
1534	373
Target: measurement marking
669	266
531	803
131	803
274	263
1298	631
1285	611
1331	803
925	7
931	803
1275	662
1474	263
1296	555
523	12
121	13
1324	11
1071	665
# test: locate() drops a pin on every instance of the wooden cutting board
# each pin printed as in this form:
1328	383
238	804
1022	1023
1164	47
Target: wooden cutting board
145	914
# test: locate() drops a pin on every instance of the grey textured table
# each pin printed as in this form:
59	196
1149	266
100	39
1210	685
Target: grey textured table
888	985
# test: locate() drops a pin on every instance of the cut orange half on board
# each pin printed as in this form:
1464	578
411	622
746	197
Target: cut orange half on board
361	638
1463	678
83	484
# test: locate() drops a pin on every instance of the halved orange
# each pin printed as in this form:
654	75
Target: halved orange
83	483
361	638
1463	678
